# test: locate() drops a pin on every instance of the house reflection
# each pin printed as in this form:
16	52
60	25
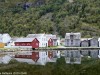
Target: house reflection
42	57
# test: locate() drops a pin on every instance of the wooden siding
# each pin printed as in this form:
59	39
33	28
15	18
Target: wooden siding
34	43
50	42
2	45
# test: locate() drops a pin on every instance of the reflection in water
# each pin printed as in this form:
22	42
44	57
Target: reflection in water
42	57
73	56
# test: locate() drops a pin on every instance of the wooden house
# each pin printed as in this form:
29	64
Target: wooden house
72	39
41	38
6	38
49	40
56	40
93	42
84	42
27	42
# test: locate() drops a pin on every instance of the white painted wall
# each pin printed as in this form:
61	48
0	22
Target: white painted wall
6	38
42	41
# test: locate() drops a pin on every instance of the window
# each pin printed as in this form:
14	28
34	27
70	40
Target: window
23	44
28	56
28	44
71	42
71	37
46	53
67	42
17	44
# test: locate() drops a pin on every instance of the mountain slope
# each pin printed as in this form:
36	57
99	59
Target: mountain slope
20	17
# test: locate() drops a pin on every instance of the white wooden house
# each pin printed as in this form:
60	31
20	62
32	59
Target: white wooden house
50	40
6	38
56	40
41	38
72	39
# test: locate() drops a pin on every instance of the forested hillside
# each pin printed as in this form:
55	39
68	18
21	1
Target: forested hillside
20	17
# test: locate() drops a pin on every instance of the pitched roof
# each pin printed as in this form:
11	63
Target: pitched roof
49	35
78	35
73	33
24	39
54	37
34	35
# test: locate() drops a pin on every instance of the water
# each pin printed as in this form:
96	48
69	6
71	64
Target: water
71	56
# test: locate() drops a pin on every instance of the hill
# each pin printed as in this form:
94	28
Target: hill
20	17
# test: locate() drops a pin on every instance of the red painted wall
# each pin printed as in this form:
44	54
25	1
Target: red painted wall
22	43
34	43
50	42
35	56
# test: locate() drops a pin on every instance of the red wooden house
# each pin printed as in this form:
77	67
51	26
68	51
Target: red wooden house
33	42
50	42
